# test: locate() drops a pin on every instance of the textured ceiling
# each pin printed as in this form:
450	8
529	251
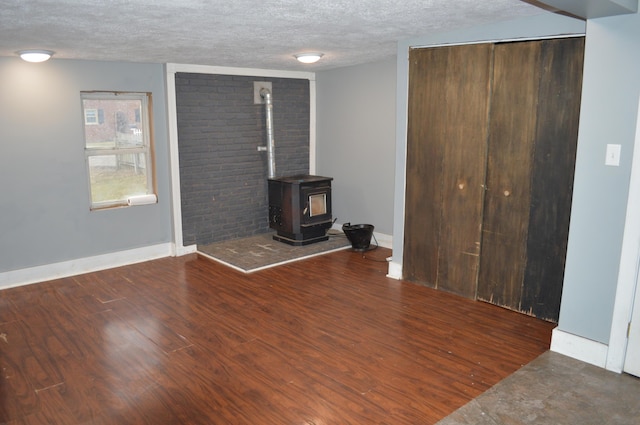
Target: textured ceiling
237	33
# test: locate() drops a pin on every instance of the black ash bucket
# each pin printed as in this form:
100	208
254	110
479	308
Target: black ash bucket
359	235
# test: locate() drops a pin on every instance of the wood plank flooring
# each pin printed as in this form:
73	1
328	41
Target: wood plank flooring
329	340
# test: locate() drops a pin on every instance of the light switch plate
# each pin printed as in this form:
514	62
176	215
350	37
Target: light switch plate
613	155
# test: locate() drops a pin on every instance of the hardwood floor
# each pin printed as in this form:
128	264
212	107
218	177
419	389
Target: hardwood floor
329	340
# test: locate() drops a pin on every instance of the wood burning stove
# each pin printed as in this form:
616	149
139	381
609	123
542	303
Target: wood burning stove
300	208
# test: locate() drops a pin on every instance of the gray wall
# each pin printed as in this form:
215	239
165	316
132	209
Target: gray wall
611	91
44	207
223	177
356	141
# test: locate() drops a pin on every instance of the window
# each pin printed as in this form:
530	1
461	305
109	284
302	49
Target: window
118	147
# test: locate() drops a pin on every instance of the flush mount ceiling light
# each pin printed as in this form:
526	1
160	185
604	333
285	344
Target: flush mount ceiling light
35	55
308	57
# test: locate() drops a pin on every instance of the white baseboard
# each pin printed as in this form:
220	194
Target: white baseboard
83	265
395	270
384	240
579	348
179	251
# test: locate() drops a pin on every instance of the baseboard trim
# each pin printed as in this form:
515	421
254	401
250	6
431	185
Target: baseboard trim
78	266
395	270
579	348
179	251
384	240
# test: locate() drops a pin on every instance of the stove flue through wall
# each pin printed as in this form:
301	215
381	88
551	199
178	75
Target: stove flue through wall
300	208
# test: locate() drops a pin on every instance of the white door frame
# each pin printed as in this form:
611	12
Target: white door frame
632	354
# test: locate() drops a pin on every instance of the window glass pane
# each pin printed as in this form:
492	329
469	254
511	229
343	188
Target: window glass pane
117	146
120	124
116	177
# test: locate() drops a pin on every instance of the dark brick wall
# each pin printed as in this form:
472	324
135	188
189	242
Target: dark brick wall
223	177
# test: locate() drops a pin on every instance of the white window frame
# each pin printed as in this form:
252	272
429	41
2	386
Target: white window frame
146	148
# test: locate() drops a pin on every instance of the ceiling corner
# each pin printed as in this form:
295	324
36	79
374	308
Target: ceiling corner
590	9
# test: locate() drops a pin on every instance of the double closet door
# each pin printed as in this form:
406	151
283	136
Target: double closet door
491	147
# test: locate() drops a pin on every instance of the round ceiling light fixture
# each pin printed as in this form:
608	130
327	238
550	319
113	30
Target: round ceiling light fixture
35	55
309	57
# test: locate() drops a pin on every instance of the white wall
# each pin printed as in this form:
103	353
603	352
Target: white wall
356	141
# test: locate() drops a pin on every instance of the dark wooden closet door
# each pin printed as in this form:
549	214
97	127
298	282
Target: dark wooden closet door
514	97
532	148
446	161
504	117
558	116
424	165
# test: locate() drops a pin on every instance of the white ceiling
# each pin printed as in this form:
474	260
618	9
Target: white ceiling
238	33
